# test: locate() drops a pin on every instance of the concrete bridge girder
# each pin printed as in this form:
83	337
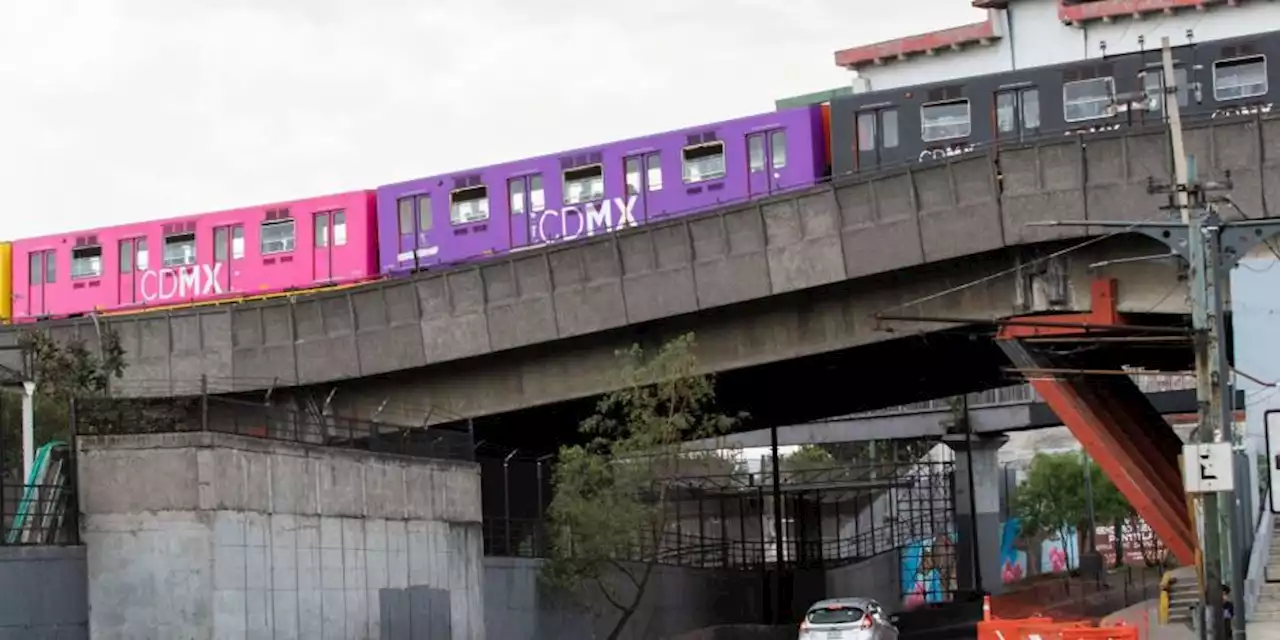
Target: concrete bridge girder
788	277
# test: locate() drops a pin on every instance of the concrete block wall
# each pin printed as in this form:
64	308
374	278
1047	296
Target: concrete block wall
43	593
967	206
205	535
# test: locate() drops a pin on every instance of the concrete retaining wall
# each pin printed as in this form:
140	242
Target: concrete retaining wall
202	535
43	593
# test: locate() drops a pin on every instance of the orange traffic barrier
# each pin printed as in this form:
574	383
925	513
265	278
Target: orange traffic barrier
1045	629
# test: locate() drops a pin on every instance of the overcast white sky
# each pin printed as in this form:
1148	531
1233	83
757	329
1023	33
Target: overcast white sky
122	110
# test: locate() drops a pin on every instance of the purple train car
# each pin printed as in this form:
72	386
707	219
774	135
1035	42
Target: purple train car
586	192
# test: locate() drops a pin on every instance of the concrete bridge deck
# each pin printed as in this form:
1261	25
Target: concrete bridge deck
781	279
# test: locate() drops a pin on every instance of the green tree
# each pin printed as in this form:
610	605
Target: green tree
61	370
609	510
1051	500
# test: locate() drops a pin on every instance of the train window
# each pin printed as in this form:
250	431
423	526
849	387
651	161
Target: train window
584	184
1239	78
1006	111
86	262
631	173
867	131
945	120
322	230
140	254
1153	88
237	241
1088	99
179	249
469	205
1030	99
37	273
277	236
755	152
703	162
424	212
340	227
653	165
537	197
221	243
515	195
889	128
50	266
126	256
778	141
405	208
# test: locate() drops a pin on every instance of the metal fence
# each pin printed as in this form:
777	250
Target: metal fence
829	517
218	414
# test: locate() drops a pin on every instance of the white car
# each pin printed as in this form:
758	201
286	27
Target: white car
848	619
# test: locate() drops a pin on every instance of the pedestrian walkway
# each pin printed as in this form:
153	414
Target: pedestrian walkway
1264	630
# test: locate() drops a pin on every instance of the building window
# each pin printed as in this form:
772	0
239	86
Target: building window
778	142
755	152
703	162
1239	78
945	120
277	236
469	205
179	249
126	256
37	270
1153	88
86	262
584	184
1088	99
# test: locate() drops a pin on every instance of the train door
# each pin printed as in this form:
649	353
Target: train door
527	201
1017	114
228	245
127	287
322	252
766	157
644	175
876	134
43	271
415	218
1153	88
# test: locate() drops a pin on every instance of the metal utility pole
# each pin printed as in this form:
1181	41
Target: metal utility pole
1202	239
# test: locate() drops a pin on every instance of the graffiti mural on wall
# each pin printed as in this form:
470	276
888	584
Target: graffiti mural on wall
929	565
929	569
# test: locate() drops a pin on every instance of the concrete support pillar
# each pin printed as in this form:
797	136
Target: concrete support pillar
977	509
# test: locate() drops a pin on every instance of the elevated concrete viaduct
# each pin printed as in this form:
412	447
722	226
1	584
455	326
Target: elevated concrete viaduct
794	276
796	279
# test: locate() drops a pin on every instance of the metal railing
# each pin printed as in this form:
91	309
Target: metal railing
217	414
1025	394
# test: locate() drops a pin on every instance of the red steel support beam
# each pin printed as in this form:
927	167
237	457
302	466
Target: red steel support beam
1116	433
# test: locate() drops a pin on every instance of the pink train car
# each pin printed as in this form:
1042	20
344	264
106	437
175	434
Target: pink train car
259	250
